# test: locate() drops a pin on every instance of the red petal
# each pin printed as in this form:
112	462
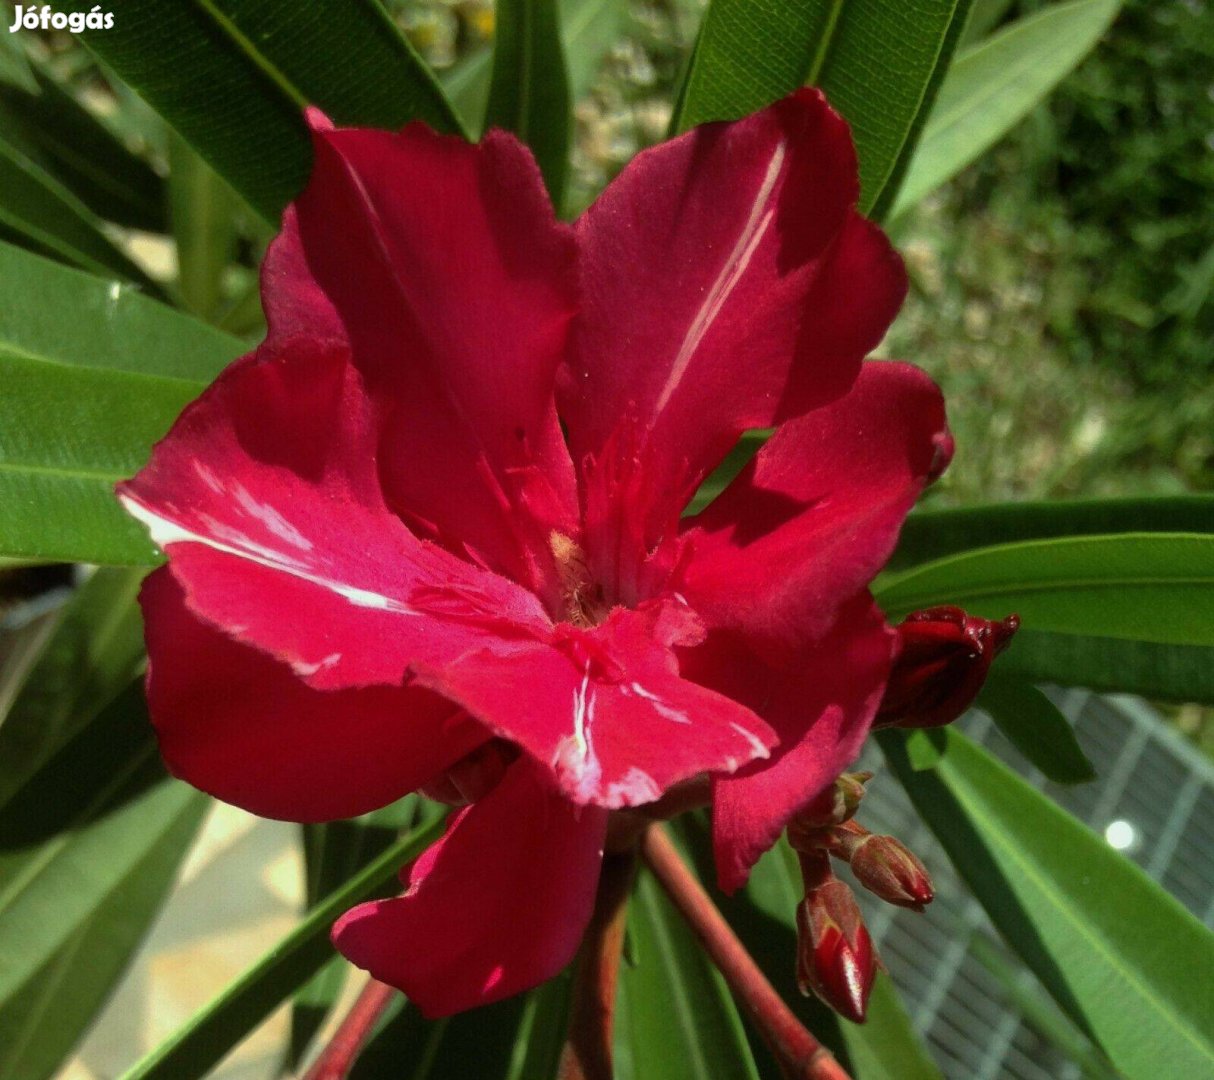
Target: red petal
264	496
443	268
728	285
497	906
821	709
606	711
814	517
243	727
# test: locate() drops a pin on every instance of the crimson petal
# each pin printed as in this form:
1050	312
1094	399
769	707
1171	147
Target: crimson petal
497	906
265	498
813	519
821	706
243	727
734	248
443	268
605	711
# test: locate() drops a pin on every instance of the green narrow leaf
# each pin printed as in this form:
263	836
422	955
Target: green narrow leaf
261	62
529	91
996	84
91	656
588	29
36	206
69	142
682	1022
14	64
40	1028
1142	586
885	1046
1122	958
931	534
985	15
75	837
203	215
880	65
333	851
1033	724
213	1031
1164	672
84	398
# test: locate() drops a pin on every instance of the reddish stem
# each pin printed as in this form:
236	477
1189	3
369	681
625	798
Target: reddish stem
338	1057
587	1051
800	1055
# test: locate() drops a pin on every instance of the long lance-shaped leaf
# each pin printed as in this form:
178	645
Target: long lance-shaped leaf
1122	958
37	208
880	64
1036	727
78	835
93	653
931	534
588	29
1140	586
696	1033
84	398
40	1027
1163	672
195	1048
993	86
261	62
529	93
63	137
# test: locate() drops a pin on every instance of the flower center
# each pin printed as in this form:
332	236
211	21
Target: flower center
581	599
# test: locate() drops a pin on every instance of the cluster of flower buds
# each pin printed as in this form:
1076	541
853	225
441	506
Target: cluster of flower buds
836	958
943	659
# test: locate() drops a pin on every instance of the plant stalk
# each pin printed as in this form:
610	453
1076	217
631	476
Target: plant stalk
800	1055
338	1056
587	1051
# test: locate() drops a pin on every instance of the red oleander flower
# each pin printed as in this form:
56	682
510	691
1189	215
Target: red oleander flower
437	514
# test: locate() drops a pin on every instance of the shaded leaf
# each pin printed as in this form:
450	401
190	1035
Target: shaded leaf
682	1022
98	829
69	142
261	62
1033	724
1164	672
1142	586
529	91
930	534
1105	940
880	65
93	653
36	206
14	64
993	86
215	1029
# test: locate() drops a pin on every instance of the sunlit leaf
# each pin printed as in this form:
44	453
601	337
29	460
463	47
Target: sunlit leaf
1142	586
880	65
84	399
993	86
1122	958
261	62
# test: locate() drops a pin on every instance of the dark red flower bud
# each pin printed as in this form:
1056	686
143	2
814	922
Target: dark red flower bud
884	866
836	959
944	655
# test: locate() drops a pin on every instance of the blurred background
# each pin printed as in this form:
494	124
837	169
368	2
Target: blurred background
1062	295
